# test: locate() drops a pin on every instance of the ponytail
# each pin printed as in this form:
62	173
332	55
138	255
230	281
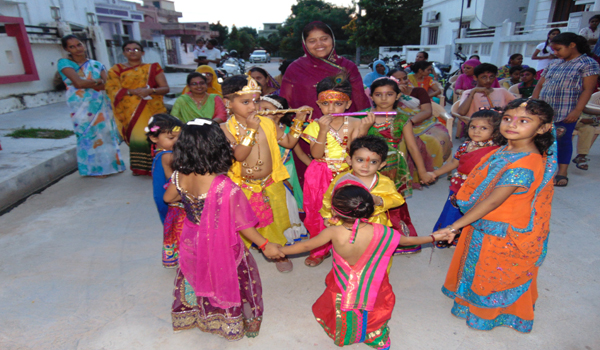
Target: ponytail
567	38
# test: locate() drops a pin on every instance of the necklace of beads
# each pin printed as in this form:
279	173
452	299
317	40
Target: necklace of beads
257	167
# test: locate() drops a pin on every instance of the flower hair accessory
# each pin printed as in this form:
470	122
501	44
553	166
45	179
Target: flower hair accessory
252	88
200	122
332	95
272	101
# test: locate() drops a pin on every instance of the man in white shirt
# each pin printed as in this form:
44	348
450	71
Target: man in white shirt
210	55
199	51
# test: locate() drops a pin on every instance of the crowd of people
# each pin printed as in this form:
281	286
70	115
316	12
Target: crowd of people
265	163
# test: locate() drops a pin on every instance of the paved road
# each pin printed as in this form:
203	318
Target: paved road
81	269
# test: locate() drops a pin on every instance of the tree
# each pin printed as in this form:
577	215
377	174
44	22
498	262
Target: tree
241	41
223	31
271	44
386	23
306	11
249	30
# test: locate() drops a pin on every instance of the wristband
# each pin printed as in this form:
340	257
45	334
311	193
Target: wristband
264	245
453	230
432	238
154	91
295	132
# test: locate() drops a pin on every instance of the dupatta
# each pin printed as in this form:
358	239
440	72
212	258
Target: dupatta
303	75
185	108
210	253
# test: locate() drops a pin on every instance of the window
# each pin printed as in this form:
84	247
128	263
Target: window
465	25
468	3
433	36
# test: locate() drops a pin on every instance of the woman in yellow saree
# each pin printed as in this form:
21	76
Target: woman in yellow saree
211	79
136	91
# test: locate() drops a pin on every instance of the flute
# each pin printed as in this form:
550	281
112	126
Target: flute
277	111
353	114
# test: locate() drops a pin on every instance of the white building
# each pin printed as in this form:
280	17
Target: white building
30	42
495	29
120	20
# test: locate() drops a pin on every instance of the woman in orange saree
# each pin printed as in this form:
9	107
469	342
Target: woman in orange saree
136	91
493	274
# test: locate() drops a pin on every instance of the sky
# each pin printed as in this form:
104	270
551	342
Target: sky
246	13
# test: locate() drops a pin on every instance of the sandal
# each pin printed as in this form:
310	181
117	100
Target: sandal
442	244
581	162
284	265
558	179
314	261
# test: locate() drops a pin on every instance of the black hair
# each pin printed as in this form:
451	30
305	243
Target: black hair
530	70
287	118
425	54
421	65
316	25
339	82
567	38
494	118
200	39
195	75
128	42
485	68
385	82
202	149
165	123
477	56
395	70
513	56
373	143
234	84
594	17
259	70
545	50
284	65
543	111
64	40
514	69
213	42
354	201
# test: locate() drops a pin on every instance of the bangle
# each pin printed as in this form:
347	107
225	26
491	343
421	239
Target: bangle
452	230
315	141
432	238
154	91
249	139
295	132
264	245
128	93
297	124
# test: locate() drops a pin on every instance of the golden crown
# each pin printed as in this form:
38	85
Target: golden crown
252	87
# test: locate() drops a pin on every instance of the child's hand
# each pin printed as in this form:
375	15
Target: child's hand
272	251
304	110
572	117
482	90
367	123
253	121
446	234
432	174
427	178
325	122
441	237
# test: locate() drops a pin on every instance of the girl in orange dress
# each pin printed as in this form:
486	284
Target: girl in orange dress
507	203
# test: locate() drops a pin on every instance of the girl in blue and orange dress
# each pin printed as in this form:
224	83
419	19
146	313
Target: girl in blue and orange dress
507	204
162	132
483	137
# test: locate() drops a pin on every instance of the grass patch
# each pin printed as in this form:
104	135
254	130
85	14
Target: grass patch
37	133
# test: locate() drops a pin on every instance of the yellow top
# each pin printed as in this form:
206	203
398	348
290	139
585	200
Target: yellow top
384	187
335	155
278	173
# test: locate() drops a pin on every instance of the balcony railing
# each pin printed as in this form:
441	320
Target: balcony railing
521	30
51	32
481	33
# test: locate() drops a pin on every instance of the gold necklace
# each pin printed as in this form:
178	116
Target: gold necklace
249	170
201	102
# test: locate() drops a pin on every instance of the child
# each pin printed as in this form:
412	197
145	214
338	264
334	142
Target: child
162	132
352	310
293	195
528	82
484	95
259	174
514	75
507	205
218	286
567	85
544	53
328	137
483	137
404	150
467	81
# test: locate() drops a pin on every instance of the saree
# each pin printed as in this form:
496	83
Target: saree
218	287
214	87
211	249
432	137
185	108
303	75
493	274
98	150
132	113
358	301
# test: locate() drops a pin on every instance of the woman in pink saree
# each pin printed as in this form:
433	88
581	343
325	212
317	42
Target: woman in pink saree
319	61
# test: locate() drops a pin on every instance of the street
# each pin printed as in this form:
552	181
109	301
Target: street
81	269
